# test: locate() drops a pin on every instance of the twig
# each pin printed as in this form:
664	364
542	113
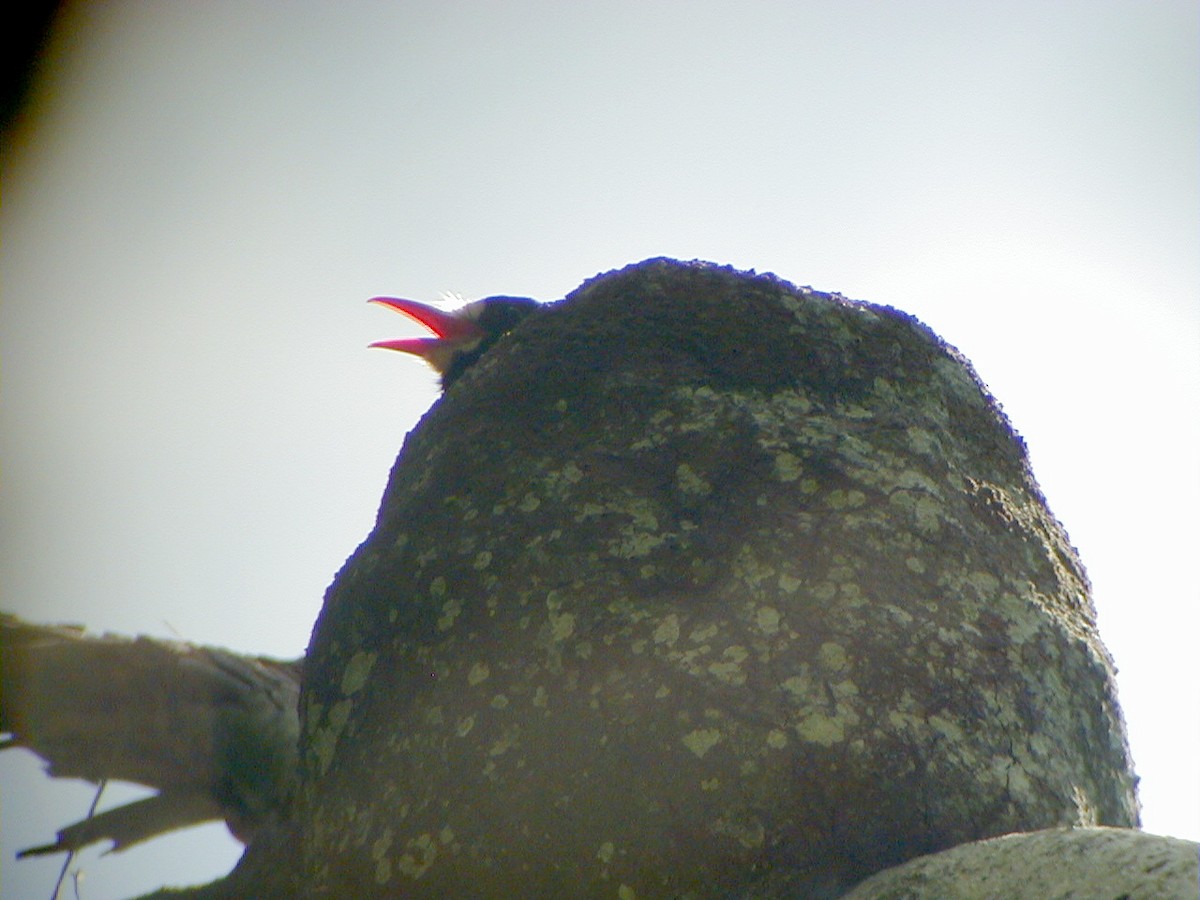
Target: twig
62	875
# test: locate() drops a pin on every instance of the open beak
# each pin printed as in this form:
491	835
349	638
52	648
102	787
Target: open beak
453	332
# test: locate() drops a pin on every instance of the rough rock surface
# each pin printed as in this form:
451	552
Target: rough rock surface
702	585
1057	864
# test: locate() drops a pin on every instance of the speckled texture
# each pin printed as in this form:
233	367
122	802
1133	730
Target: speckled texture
701	585
1058	864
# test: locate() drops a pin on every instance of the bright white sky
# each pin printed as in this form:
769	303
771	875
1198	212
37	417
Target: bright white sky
195	437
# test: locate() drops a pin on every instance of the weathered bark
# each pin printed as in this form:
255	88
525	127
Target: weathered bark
213	732
700	585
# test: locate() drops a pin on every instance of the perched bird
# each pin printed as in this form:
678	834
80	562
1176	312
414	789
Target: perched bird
462	335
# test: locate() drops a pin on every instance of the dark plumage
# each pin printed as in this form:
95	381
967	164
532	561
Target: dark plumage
462	336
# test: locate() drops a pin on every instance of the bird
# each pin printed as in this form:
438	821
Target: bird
461	336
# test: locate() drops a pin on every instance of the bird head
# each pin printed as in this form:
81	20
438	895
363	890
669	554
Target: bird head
462	335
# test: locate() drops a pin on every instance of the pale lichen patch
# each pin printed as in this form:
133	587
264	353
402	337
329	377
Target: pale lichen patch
667	631
449	614
690	482
824	592
839	499
787	466
788	583
506	742
379	849
559	482
639	538
339	714
323	743
325	737
947	727
750	834
1086	813
357	670
767	618
383	871
729	667
929	514
818	728
423	851
1021	631
561	626
797	685
702	740
832	657
985	584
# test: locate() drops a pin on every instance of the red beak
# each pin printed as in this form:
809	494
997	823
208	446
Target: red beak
451	330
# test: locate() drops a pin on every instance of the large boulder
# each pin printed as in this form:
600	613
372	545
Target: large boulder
701	585
1057	864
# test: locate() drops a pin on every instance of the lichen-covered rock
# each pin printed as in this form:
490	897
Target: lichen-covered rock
1057	864
702	585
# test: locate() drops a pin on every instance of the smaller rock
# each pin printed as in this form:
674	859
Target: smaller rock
1055	864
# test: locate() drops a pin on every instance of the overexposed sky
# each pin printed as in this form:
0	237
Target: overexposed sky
194	437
